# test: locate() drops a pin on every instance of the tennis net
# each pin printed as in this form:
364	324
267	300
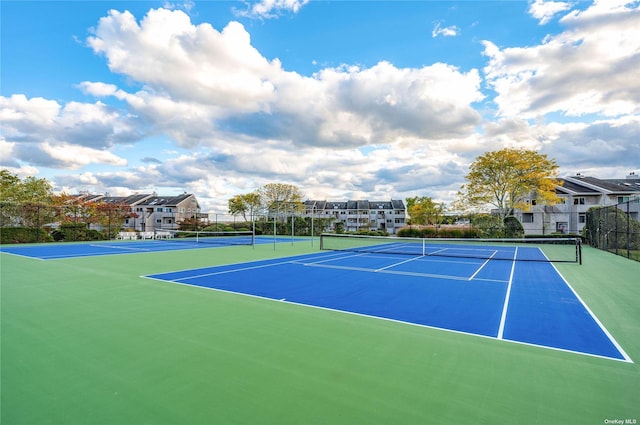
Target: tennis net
567	250
207	237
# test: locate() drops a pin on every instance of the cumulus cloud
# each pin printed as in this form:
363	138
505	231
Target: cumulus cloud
65	136
544	10
199	82
591	68
603	143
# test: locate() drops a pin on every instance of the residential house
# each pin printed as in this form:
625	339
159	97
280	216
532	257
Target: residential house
151	212
386	216
577	194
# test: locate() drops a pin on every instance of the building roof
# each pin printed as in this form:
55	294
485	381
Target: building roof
591	185
148	199
165	200
354	205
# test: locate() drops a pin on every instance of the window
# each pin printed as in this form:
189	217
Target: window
578	201
582	218
158	221
527	217
159	209
562	200
622	199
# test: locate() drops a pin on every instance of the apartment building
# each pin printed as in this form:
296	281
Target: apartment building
577	194
359	215
151	212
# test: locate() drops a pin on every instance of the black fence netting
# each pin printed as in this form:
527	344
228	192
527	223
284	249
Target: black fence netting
615	228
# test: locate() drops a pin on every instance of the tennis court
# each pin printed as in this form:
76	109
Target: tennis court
191	240
464	288
282	332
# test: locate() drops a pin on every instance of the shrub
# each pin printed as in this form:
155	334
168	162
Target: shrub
23	235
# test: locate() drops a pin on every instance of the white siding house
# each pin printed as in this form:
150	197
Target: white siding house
577	194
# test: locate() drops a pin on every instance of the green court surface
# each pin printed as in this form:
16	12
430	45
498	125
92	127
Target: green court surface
90	341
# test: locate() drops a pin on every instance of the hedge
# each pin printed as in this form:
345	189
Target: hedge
10	235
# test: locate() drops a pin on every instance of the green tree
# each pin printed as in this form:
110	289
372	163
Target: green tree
279	197
23	202
507	178
29	190
423	210
245	205
9	184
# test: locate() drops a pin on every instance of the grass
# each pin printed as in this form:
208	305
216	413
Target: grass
88	341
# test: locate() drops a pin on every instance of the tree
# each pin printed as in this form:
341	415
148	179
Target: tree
423	210
507	178
280	196
21	201
243	205
29	190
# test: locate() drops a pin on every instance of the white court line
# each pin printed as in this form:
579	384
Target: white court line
279	263
503	318
363	269
262	266
483	264
119	247
397	264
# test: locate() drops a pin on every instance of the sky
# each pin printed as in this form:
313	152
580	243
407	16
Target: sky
372	100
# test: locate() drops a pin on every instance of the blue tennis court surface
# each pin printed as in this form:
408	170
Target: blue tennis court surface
523	302
73	250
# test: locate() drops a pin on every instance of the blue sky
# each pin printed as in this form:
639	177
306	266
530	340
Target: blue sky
345	99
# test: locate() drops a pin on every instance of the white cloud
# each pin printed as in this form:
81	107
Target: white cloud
199	82
68	136
271	8
439	30
544	10
591	68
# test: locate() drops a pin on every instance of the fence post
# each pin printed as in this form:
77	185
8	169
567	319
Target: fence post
628	229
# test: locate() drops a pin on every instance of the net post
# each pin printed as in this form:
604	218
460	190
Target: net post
579	250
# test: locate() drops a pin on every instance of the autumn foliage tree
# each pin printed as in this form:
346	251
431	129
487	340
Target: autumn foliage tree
507	178
245	205
280	196
423	210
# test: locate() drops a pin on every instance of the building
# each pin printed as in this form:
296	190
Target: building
354	216
150	212
164	212
577	194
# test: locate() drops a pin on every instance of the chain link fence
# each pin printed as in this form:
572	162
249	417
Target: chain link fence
615	228
28	223
32	223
